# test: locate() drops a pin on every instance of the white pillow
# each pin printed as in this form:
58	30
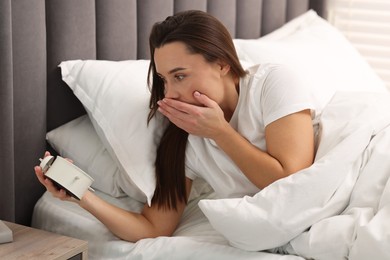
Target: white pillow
318	53
116	97
78	141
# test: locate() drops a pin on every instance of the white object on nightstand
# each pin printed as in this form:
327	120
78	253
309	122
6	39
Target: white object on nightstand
5	233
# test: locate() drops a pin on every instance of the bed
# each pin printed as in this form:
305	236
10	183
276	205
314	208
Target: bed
335	209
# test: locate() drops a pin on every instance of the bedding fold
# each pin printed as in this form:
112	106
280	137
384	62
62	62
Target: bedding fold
194	238
336	207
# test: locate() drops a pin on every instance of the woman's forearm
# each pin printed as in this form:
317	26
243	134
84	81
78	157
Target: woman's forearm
126	225
290	147
258	166
152	222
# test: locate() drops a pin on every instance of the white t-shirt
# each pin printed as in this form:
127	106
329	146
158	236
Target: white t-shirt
267	93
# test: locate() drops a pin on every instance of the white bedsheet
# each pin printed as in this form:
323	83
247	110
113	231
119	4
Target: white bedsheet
194	239
339	208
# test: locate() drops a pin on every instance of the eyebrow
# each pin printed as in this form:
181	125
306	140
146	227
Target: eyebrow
171	71
176	70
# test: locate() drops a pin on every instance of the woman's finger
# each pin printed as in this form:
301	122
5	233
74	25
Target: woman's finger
204	100
39	174
172	105
69	160
45	181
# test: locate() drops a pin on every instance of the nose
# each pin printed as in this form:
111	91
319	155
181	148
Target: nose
169	91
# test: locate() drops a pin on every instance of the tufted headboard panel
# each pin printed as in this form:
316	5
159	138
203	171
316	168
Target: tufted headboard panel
36	35
118	30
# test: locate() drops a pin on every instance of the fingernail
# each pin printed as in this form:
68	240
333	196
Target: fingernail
196	94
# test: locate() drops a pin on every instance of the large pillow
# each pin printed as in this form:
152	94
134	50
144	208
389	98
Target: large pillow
78	141
116	98
318	53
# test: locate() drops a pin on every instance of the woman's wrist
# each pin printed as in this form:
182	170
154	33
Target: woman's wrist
83	202
224	135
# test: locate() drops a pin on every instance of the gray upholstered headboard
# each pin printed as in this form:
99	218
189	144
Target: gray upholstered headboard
36	35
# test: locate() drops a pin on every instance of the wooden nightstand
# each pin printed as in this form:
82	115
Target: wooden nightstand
30	243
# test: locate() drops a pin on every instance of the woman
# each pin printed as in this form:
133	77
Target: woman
239	130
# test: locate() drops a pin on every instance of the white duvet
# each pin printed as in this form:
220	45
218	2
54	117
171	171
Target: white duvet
339	208
195	238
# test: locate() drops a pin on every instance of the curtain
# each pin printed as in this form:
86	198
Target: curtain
6	111
366	24
22	105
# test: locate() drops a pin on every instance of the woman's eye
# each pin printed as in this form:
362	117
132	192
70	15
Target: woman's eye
179	77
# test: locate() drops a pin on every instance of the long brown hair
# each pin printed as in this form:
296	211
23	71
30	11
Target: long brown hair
202	34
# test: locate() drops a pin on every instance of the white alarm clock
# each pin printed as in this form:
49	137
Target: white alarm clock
66	175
